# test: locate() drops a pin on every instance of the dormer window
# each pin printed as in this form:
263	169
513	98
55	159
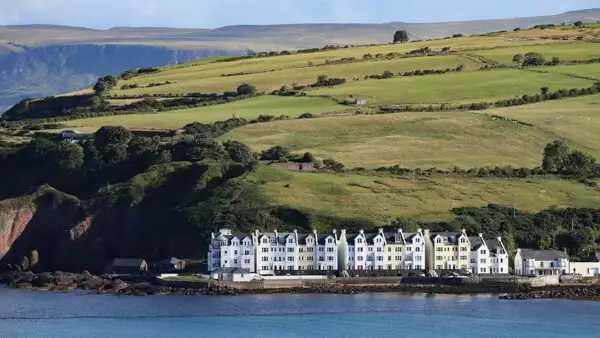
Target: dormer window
359	241
378	240
291	240
417	240
330	240
439	241
265	241
462	240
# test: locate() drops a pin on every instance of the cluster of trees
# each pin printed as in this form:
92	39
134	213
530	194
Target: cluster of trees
561	159
401	36
105	83
129	74
325	81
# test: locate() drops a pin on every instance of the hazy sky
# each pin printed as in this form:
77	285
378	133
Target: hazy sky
216	13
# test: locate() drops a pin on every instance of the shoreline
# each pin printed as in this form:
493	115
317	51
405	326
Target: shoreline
96	285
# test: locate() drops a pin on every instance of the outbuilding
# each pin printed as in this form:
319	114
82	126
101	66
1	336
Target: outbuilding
128	266
233	275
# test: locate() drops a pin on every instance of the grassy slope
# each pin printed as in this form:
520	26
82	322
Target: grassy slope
386	197
590	71
248	109
425	140
577	119
269	76
456	87
565	51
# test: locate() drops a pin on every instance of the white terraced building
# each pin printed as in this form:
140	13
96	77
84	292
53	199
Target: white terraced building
267	252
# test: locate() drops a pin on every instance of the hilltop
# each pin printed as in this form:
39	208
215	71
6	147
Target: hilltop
43	60
496	133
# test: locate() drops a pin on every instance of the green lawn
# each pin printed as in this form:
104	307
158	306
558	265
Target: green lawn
576	120
455	87
382	198
194	279
268	75
565	51
248	109
424	140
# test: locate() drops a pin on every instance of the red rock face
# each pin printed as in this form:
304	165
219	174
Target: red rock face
13	223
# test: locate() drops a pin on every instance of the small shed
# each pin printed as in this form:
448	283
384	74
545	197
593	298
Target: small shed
128	266
233	275
360	102
171	264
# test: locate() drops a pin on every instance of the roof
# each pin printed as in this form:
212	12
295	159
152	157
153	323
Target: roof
322	238
543	255
476	242
231	270
302	238
410	236
394	237
129	262
452	237
170	260
371	237
494	245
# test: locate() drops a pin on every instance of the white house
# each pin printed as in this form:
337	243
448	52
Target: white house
375	251
498	255
591	268
234	275
414	250
541	262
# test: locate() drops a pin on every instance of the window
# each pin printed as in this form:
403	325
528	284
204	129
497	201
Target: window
439	249
483	270
409	249
370	250
359	249
359	241
235	261
246	261
272	240
439	258
483	260
380	258
483	252
501	252
389	249
473	260
280	259
281	249
300	249
501	260
453	258
290	259
265	259
226	252
501	269
321	249
389	258
272	249
463	258
378	240
439	241
330	240
329	249
290	249
360	258
321	259
247	252
379	249
265	249
417	240
398	249
291	240
301	258
462	240
417	249
463	249
264	267
310	249
330	258
265	241
417	258
398	258
310	258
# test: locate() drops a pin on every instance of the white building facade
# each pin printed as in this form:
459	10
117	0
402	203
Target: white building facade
268	252
541	262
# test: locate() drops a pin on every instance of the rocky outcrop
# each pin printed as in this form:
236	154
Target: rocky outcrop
574	292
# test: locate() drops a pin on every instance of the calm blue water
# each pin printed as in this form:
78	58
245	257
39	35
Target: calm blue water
48	314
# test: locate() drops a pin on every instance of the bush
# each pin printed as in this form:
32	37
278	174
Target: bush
308	158
331	164
276	153
246	89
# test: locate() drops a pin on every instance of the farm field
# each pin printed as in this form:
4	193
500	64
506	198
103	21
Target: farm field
383	198
455	87
577	119
423	140
248	109
566	51
197	79
589	70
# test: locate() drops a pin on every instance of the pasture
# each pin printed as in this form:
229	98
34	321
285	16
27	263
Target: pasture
567	51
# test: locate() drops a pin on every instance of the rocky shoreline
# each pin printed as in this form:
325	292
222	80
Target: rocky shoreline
64	281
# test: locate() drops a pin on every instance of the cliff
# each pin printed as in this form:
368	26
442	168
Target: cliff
50	70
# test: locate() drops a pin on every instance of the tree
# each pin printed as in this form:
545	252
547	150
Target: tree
534	59
406	224
145	152
401	36
457	35
322	79
238	152
276	153
197	148
555	60
67	156
111	143
308	158
544	91
518	59
555	156
579	164
331	164
246	89
105	84
578	23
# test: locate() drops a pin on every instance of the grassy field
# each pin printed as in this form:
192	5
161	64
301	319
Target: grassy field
248	109
565	51
412	140
455	87
576	120
268	76
590	70
382	198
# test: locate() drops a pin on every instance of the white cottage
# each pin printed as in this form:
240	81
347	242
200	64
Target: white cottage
541	262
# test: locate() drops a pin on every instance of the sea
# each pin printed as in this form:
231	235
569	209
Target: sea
77	314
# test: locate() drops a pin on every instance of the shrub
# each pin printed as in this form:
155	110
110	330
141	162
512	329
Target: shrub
246	89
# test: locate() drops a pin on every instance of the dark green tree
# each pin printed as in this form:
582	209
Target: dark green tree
578	23
198	148
555	156
534	59
331	164
401	36
238	152
579	164
518	59
276	153
308	158
246	89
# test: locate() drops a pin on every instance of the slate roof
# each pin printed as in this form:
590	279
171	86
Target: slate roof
394	238
231	270
543	255
302	238
128	262
370	238
476	242
350	238
170	260
494	245
410	236
322	238
451	236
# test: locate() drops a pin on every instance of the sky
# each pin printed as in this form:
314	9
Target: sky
103	14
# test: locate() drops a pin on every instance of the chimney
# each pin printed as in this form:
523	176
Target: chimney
499	239
464	231
480	235
399	230
361	231
316	235
421	231
343	231
380	230
334	231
